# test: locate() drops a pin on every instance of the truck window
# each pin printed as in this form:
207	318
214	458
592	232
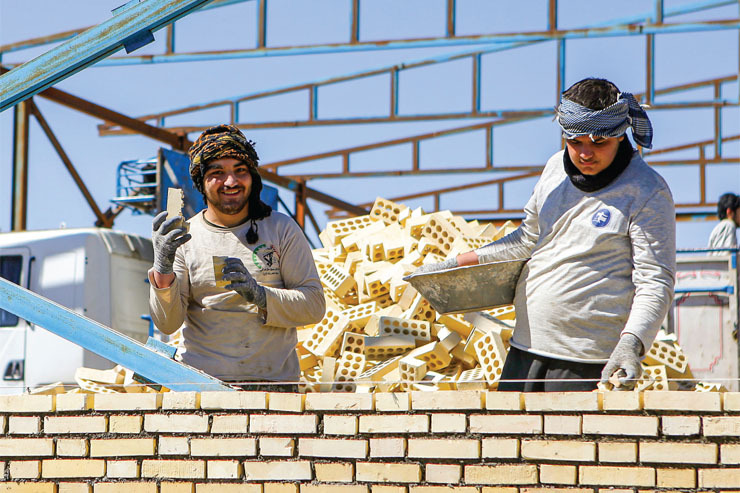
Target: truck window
10	269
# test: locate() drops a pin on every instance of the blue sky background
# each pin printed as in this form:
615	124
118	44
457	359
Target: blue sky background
521	78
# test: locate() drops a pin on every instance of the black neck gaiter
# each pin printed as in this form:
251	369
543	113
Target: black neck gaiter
592	183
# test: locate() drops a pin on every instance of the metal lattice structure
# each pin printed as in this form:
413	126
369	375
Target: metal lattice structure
718	95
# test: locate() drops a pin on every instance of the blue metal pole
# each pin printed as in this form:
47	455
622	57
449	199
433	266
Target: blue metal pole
126	27
104	341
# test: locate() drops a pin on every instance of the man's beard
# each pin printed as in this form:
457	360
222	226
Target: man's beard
229	207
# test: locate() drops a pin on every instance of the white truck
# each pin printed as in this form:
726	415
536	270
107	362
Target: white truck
96	272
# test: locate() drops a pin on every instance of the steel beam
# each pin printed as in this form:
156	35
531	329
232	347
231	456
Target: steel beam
104	341
20	167
89	47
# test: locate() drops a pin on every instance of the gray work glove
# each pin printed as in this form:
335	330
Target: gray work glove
167	236
625	359
243	283
450	263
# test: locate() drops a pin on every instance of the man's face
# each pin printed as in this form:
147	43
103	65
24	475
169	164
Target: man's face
592	156
227	185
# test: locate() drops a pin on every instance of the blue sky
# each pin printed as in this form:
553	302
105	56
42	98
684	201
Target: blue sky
519	78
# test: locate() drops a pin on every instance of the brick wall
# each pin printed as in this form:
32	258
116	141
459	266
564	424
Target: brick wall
418	442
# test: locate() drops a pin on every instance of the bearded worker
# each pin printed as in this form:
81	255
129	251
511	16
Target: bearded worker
599	230
245	331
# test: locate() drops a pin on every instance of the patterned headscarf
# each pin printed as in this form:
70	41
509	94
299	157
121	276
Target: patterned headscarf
219	142
612	121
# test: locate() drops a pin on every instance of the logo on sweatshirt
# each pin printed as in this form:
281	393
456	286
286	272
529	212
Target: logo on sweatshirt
601	218
266	258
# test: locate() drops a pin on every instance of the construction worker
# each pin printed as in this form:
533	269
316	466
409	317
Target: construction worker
724	233
599	232
244	332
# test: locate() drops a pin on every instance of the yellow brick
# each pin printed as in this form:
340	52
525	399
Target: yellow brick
74	424
181	400
340	425
223	447
176	487
622	401
562	425
392	401
175	469
72	447
729	453
500	448
229	424
125	488
285	401
449	423
505	424
25	469
501	474
228	488
73	402
618	452
561	401
443	448
277	446
122	469
173	446
677	401
121	447
553	474
561	450
383	472
721	425
387	447
680	425
223	469
334	472
125	424
731	401
32	487
446	400
396	423
72	468
27	403
678	453
283	423
503	401
443	473
322	447
176	423
278	470
719	478
333	488
379	488
597	424
616	476
24	425
339	402
676	478
26	447
233	400
127	402
75	487
280	488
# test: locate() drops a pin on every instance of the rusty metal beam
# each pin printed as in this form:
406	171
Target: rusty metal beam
19	201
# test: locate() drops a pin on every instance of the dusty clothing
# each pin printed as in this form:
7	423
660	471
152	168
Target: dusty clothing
723	236
602	263
223	334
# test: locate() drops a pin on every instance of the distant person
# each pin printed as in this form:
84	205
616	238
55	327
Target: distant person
724	233
244	332
600	233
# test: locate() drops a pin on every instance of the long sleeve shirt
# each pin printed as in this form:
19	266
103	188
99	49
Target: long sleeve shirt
222	333
723	236
602	263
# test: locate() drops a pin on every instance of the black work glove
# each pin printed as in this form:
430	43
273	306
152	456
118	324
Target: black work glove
625	360
167	236
243	283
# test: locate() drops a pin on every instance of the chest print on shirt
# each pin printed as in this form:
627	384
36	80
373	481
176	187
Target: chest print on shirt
601	218
266	258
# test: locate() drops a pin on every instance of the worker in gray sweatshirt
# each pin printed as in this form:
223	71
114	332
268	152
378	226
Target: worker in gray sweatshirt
599	233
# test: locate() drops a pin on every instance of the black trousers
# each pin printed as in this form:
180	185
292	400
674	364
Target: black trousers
521	365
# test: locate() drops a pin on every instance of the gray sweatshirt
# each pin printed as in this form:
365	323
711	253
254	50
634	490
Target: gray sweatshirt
223	334
602	263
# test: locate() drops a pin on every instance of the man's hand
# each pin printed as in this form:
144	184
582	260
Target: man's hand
167	236
243	283
450	263
625	359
